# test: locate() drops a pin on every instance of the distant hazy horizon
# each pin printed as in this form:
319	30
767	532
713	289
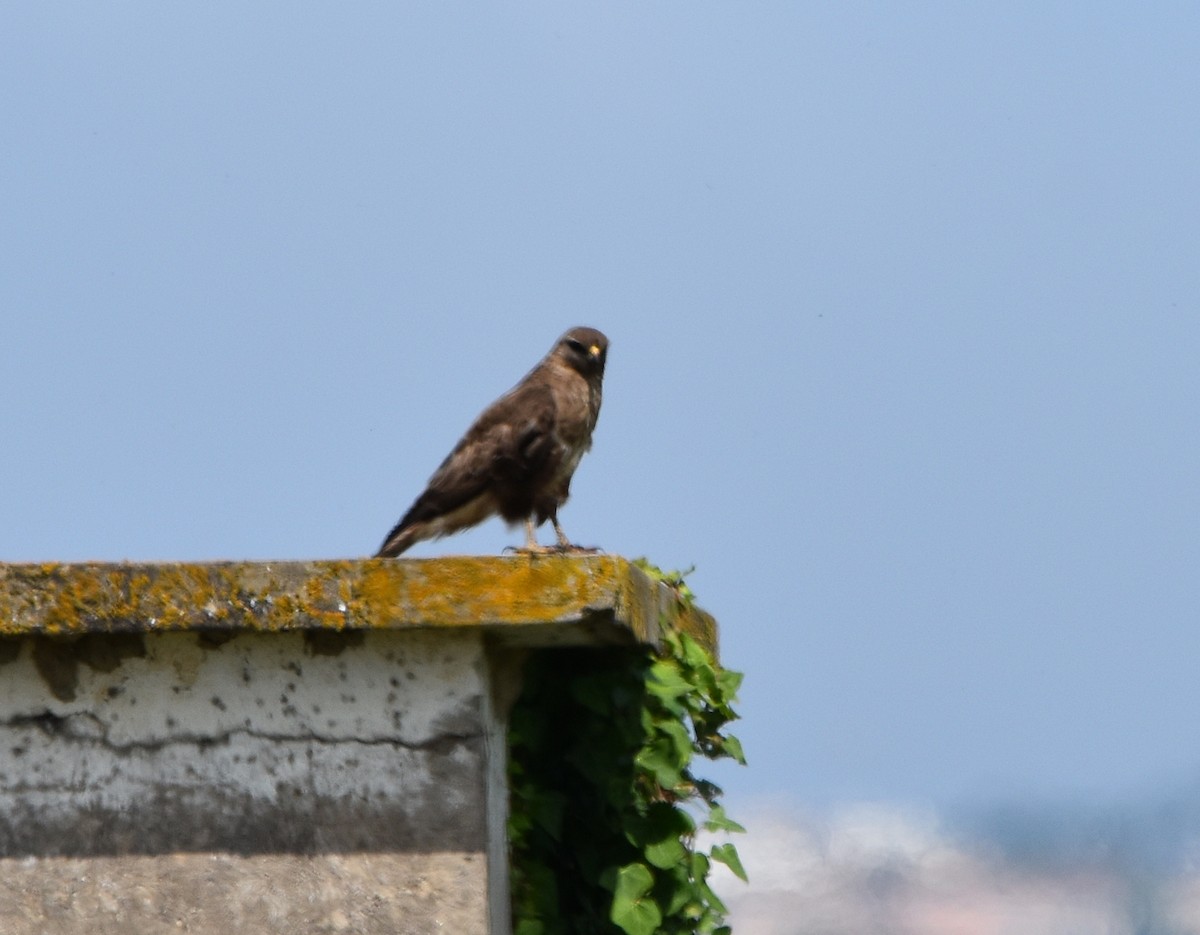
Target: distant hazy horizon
880	868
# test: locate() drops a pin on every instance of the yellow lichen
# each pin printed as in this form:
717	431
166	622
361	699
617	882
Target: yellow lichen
501	592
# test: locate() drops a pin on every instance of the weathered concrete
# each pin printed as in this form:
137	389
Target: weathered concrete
228	894
258	745
280	786
261	748
536	599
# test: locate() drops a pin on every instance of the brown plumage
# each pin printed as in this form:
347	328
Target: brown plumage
517	458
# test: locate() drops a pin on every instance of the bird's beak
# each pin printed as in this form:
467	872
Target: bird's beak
594	352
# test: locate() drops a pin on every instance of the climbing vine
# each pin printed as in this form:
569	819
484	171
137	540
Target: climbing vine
605	806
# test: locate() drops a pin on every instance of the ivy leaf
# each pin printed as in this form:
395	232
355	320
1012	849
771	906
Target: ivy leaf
712	899
667	756
728	855
660	760
733	748
681	740
719	821
679	892
665	854
694	654
730	681
633	911
667	682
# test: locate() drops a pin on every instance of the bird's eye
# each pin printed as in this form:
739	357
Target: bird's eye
574	345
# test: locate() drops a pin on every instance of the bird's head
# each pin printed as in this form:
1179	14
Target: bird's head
584	350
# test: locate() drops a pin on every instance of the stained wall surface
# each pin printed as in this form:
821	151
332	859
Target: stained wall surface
249	783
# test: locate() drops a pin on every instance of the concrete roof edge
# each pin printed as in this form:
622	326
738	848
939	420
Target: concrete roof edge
538	599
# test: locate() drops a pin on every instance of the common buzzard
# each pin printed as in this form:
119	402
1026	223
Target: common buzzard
517	459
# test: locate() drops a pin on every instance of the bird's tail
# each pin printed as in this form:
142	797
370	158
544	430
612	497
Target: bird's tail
400	538
431	518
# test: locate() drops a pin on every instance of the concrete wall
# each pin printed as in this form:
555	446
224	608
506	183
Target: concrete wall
278	747
266	783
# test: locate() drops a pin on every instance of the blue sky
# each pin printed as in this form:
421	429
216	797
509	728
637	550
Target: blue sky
904	303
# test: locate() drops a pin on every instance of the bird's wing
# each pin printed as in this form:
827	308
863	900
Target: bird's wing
513	438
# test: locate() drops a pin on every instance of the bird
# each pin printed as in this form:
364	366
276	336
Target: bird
517	458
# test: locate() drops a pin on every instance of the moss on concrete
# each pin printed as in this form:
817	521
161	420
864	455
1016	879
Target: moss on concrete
538	598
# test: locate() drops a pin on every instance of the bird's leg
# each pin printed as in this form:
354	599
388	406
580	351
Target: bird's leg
531	546
565	544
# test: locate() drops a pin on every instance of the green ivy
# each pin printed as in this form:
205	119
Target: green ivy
604	804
